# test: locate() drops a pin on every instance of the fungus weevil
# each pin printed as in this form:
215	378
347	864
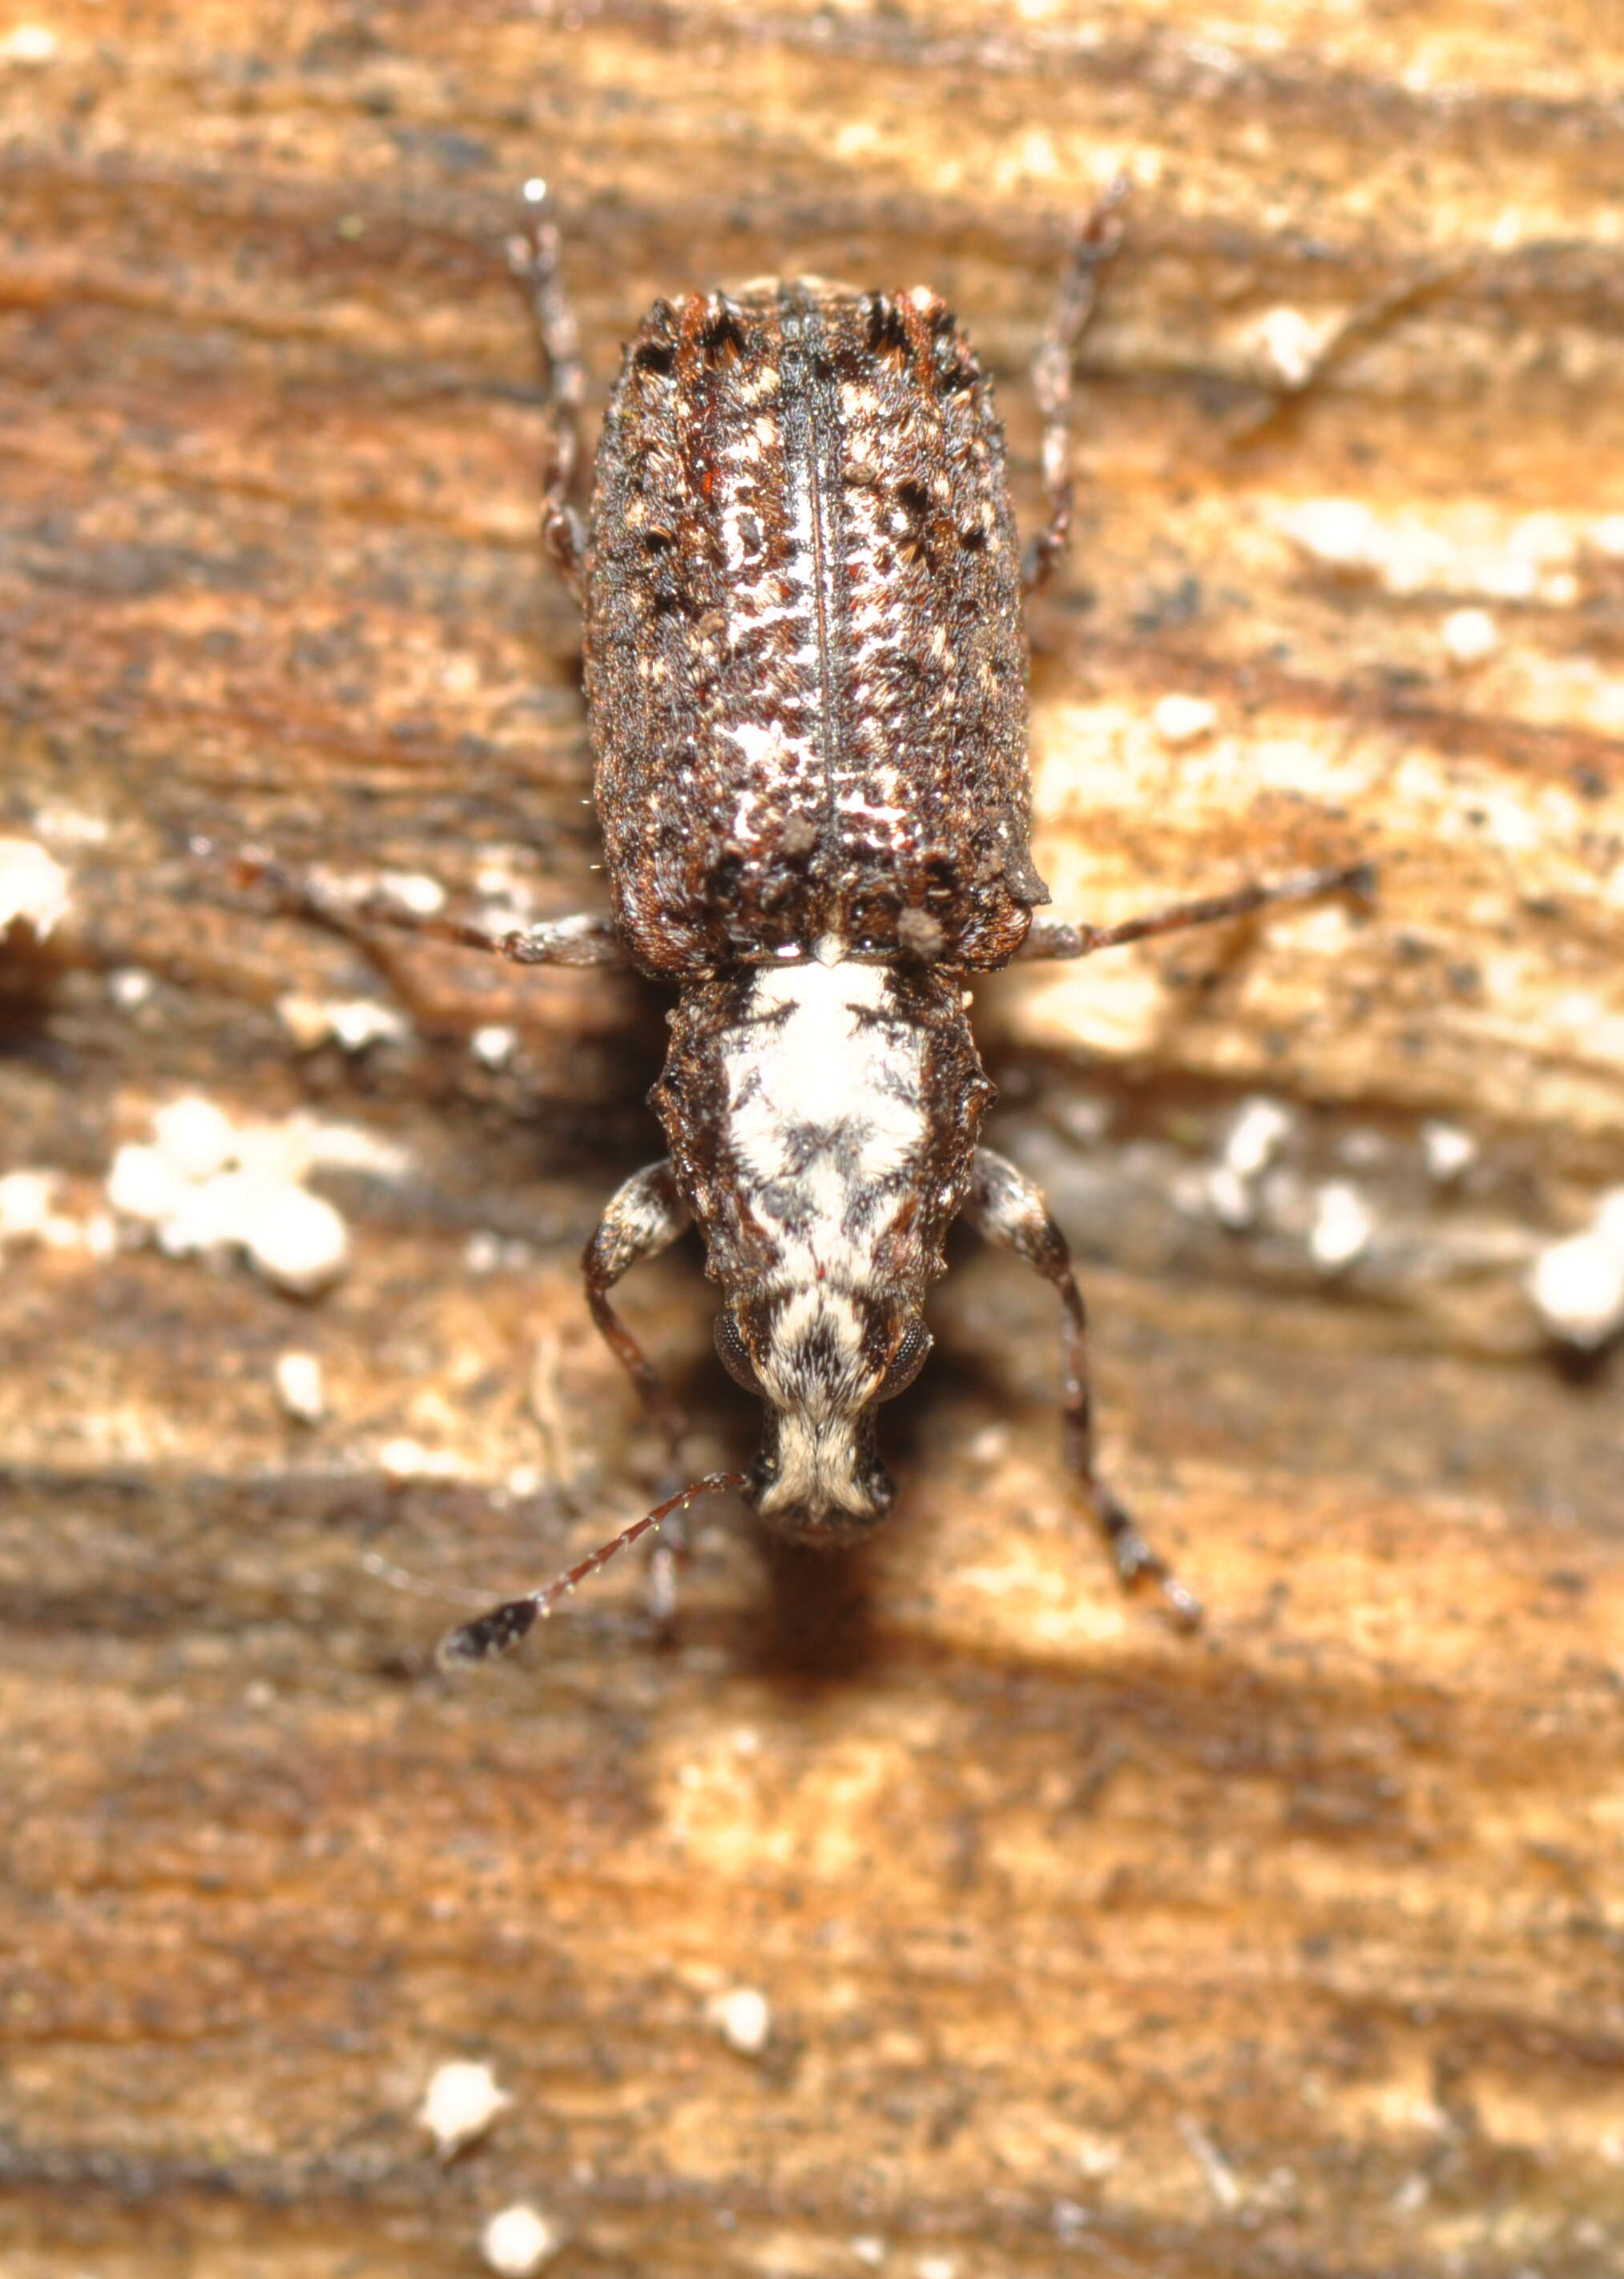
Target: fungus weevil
805	677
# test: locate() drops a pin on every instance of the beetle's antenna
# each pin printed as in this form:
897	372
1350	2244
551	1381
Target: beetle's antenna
501	1630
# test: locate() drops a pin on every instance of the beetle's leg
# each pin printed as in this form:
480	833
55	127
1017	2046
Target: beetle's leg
1095	241
532	255
644	1218
1008	1210
1058	938
499	1632
587	939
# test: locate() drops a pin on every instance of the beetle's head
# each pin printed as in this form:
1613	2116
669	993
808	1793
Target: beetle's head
822	1361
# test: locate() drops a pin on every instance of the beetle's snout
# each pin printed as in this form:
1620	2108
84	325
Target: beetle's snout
818	1479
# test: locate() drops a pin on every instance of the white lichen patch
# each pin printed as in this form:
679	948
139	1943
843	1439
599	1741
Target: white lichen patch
459	2104
204	1186
744	2016
33	888
518	2240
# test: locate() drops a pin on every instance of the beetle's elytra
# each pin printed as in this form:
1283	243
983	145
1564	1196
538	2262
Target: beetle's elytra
805	672
805	662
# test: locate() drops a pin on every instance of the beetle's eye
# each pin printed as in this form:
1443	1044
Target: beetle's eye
735	1355
906	1363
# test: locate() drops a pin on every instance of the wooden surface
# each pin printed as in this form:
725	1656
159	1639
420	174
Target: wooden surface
1296	1949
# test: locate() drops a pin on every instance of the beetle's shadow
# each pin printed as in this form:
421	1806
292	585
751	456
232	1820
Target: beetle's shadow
816	1626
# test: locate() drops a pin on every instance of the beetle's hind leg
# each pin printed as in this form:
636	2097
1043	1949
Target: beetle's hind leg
532	255
1008	1210
1095	242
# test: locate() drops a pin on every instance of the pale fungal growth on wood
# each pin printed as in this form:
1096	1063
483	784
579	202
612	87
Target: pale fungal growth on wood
1525	558
1179	719
1291	343
29	1213
400	1460
202	1185
494	1045
130	988
1342	1226
299	1387
1260	1129
25	1199
745	2017
1446	1150
414	891
31	45
34	888
459	2104
1469	636
518	2240
1577	1284
353	1024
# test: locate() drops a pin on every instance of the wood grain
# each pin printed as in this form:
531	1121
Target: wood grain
1292	1949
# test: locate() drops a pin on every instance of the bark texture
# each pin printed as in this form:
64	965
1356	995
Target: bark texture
1296	1948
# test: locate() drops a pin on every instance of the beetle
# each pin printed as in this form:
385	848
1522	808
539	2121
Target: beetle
805	667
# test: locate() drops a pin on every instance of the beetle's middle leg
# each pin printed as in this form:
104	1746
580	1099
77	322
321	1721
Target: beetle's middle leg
1005	1208
588	939
643	1218
1050	937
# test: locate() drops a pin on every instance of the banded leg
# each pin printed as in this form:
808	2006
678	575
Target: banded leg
532	255
1094	244
587	940
1008	1210
644	1218
1050	937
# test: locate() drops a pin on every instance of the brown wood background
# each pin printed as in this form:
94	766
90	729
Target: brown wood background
1297	1949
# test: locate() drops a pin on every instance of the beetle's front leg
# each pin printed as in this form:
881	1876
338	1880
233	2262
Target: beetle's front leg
644	1218
1008	1210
